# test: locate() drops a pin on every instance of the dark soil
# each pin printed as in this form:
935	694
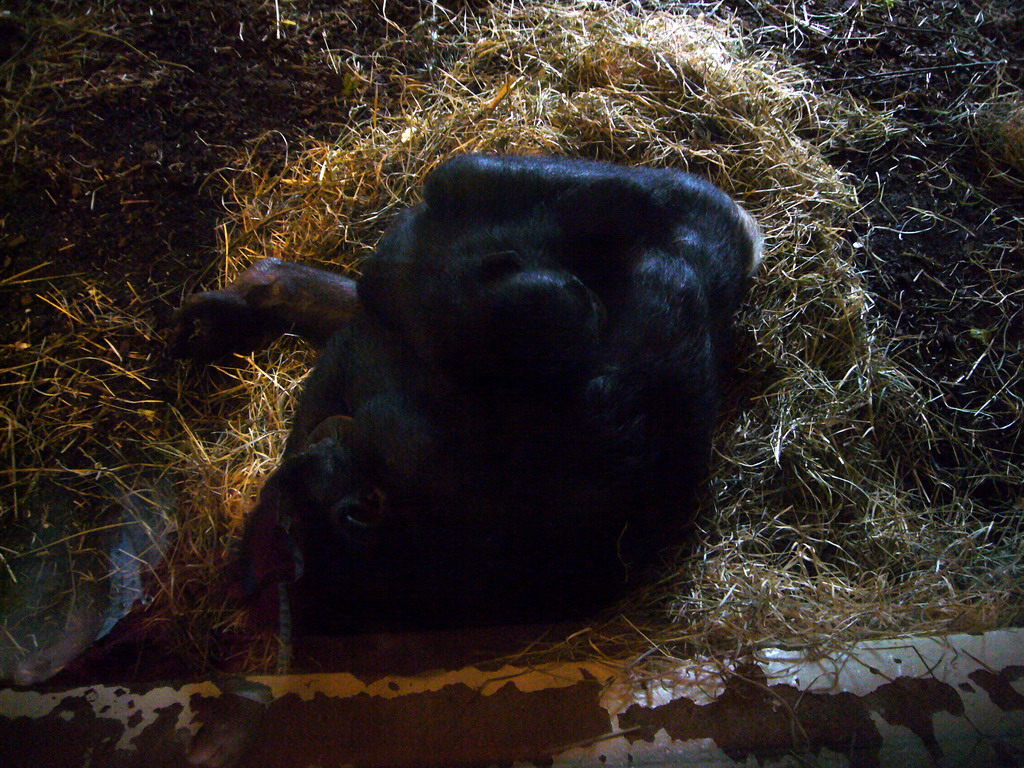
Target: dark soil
140	103
941	236
118	116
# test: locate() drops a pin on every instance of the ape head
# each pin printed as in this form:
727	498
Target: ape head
328	487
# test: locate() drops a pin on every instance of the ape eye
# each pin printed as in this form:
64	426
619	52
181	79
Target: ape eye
362	512
363	525
350	512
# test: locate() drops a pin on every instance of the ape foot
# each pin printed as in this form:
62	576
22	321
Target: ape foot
230	725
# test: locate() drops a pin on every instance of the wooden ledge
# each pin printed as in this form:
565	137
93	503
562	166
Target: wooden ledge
956	700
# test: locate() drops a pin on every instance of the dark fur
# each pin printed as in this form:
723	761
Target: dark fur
532	378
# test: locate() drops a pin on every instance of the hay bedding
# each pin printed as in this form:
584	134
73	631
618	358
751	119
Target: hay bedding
818	528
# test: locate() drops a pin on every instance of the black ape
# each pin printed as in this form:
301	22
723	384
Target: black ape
529	384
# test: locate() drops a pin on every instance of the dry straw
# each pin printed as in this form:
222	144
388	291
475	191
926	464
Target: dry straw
818	528
998	126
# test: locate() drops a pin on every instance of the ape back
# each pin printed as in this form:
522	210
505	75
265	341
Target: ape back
555	329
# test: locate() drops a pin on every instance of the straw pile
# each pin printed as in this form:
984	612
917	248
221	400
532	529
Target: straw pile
818	528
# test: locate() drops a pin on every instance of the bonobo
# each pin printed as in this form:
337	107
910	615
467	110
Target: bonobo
512	408
520	391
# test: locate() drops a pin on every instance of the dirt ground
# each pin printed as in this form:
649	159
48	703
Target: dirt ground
119	117
941	232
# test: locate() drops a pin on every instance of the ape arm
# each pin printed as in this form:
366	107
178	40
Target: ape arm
270	298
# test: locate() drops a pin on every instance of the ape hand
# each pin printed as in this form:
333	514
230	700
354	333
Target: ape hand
215	324
270	298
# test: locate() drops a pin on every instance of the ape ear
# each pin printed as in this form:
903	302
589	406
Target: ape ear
320	472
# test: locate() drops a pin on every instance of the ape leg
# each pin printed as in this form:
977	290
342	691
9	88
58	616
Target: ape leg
270	298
